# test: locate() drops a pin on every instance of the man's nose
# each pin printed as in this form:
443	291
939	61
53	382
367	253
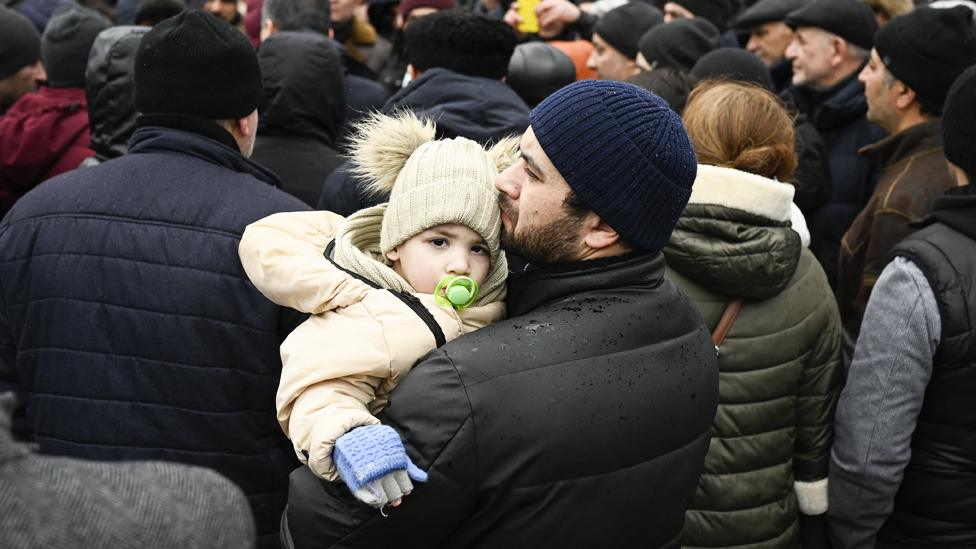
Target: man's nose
506	183
791	50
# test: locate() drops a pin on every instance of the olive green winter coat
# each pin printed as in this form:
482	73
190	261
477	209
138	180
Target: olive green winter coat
780	366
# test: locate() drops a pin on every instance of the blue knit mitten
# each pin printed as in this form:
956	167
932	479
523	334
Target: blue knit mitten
375	465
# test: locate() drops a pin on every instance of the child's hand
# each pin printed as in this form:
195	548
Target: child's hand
375	465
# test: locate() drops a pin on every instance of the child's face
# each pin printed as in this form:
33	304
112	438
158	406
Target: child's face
427	257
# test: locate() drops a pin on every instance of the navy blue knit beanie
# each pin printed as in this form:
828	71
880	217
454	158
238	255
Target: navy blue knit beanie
623	152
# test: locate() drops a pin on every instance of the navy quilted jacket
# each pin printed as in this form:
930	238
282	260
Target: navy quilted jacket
127	324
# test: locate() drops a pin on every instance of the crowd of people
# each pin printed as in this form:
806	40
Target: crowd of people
487	273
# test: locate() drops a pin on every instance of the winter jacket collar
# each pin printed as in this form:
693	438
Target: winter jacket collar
734	237
538	286
744	191
195	137
835	107
481	109
908	142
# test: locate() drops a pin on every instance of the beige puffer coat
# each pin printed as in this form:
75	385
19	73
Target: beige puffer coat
340	365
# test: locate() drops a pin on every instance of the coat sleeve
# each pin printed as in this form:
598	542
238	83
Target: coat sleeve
887	229
331	368
431	412
879	407
282	254
820	387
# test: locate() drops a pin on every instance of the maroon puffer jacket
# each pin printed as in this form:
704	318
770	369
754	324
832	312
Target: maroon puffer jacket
42	135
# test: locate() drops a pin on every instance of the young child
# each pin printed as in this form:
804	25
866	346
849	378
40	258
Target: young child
339	366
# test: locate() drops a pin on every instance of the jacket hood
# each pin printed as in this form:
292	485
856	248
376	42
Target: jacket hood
480	109
304	89
109	87
957	209
735	237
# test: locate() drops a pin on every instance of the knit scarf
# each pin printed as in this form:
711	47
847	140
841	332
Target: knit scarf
357	248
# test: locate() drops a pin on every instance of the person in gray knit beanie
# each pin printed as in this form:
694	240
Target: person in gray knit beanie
57	502
66	42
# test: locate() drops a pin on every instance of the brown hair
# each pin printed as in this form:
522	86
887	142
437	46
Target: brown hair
741	126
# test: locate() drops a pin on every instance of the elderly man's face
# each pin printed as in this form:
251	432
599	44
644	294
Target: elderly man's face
537	223
810	52
20	83
609	63
769	41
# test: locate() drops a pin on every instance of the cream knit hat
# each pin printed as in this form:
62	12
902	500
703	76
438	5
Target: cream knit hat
433	183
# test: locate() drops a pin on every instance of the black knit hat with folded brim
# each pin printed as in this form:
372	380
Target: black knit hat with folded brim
959	123
623	27
197	64
851	20
928	49
679	44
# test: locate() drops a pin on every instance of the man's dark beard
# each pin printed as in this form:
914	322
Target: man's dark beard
555	242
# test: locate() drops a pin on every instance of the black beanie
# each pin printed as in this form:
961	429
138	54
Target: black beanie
928	49
197	64
852	20
680	43
623	27
537	70
733	64
959	123
66	42
460	41
21	44
717	12
151	12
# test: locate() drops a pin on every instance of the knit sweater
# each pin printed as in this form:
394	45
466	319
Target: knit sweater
63	502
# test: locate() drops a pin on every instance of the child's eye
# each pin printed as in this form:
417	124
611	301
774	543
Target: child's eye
439	242
479	249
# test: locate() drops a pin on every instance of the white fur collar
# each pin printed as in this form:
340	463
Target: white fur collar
742	191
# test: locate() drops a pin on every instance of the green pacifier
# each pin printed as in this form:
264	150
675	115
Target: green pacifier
456	291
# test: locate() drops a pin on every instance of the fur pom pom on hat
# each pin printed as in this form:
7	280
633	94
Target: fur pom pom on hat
433	182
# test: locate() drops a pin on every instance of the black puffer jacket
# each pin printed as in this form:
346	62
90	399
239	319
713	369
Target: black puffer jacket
302	110
128	324
481	109
109	88
582	421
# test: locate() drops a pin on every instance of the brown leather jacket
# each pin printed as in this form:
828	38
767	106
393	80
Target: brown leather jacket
914	173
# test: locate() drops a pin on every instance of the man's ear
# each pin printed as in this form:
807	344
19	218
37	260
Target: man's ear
598	235
906	96
245	126
838	51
